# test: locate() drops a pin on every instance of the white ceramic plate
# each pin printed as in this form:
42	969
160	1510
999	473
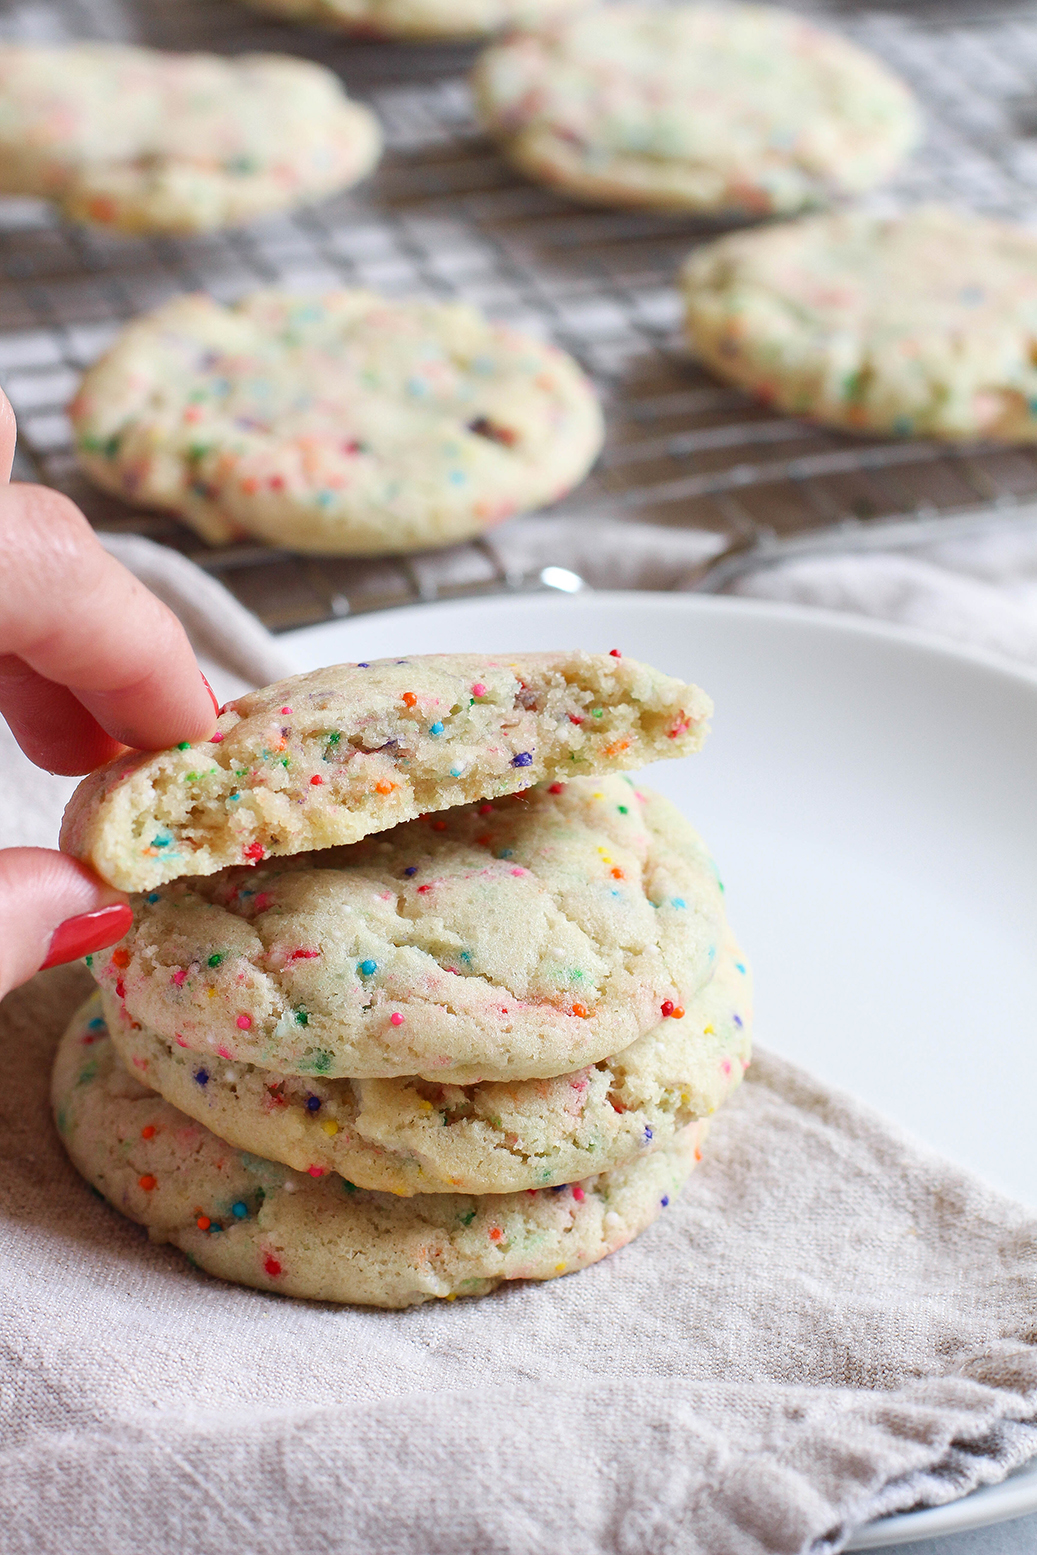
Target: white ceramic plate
870	797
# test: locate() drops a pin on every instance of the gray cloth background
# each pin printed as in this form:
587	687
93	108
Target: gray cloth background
831	1324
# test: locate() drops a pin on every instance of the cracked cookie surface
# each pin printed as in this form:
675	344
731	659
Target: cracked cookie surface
503	940
409	1136
333	755
258	1223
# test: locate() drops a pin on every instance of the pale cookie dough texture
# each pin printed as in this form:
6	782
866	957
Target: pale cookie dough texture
144	141
330	756
420	20
509	940
341	423
918	325
258	1223
409	1136
732	110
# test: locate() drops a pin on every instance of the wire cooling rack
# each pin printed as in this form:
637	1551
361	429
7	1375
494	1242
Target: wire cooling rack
443	216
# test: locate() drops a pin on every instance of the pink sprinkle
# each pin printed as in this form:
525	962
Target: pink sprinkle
303	955
243	1023
518	871
423	888
726	1066
179	1040
140	1063
286	709
179	977
578	1193
225	1052
216	738
315	1171
396	1019
262	901
478	690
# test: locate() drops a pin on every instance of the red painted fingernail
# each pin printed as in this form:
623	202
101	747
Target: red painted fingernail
89	931
215	704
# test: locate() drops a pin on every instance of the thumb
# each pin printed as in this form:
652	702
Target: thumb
53	909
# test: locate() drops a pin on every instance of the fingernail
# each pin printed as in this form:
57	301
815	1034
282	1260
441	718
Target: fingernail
215	704
88	931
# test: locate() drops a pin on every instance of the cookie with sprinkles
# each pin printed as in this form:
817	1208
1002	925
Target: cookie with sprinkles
333	755
420	20
141	140
916	325
257	1223
525	937
409	1136
733	110
344	423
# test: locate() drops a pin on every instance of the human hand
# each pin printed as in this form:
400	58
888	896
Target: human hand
90	662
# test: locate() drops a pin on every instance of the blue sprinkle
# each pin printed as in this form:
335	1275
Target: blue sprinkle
214	1226
560	1188
154	897
455	771
738	1020
160	841
664	1202
368	968
523	759
648	1134
412	869
436	728
363	666
97	1024
457	477
678	901
613	893
505	853
465	956
739	968
240	1209
202	1076
313	1104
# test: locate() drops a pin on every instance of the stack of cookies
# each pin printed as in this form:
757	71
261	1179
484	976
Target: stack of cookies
423	992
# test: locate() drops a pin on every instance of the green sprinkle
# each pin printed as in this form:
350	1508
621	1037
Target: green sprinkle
466	1220
596	712
301	1016
350	1187
89	960
623	810
215	960
185	745
334	737
88	1074
321	1061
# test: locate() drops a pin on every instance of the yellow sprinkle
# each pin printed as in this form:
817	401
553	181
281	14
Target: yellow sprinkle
559	1268
708	1031
330	1128
597	796
211	993
424	1106
452	1296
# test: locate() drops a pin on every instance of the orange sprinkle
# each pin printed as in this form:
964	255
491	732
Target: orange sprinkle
383	787
409	699
147	1182
580	1010
617	874
617	747
678	1012
203	1222
496	1233
121	957
148	1132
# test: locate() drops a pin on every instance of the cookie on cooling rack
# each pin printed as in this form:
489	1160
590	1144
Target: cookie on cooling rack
342	423
145	141
258	1223
727	110
421	20
409	1136
918	325
508	940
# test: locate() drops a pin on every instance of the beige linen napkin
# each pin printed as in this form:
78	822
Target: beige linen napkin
830	1324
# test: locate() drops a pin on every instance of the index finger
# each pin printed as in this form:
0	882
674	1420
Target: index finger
8	437
79	619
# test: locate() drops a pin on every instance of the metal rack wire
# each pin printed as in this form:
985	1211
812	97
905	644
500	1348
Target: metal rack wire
444	216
